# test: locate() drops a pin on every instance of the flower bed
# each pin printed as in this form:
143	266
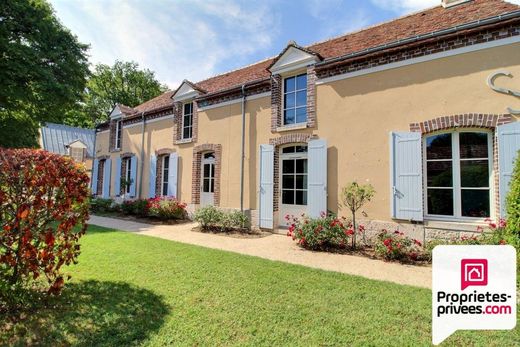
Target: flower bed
159	209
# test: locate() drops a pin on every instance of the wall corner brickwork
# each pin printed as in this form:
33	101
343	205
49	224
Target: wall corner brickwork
311	96
276	102
197	170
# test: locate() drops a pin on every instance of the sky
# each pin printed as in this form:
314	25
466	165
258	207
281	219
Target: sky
197	39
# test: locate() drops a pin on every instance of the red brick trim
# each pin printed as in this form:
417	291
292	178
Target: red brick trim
277	142
112	137
127	155
195	129
177	121
469	120
164	151
196	171
311	96
276	102
103	157
101	172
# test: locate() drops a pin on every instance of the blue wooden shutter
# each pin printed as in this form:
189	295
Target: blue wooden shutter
172	175
265	213
106	178
117	183
133	175
406	176
153	177
508	147
317	178
93	182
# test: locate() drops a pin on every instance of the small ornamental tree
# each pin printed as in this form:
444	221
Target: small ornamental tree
43	197
513	202
354	196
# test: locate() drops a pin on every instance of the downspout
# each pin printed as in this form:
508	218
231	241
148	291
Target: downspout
93	158
142	155
242	156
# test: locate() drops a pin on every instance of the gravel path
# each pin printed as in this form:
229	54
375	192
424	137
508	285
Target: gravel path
279	248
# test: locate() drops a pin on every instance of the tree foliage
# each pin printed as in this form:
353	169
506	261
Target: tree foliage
122	83
43	197
43	70
513	201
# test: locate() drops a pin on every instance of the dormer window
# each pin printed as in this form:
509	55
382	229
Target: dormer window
118	134
187	121
295	100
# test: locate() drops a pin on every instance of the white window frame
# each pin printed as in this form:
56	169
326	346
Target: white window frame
164	178
295	124
183	125
457	207
119	134
294	156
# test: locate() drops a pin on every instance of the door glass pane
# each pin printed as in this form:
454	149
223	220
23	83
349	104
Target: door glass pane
212	170
209	155
288	149
301	165
440	202
288	182
301	115
288	166
165	189
206	170
438	147
301	82
473	145
475	203
301	149
206	185
474	173
439	174
212	186
288	197
166	161
301	181
301	197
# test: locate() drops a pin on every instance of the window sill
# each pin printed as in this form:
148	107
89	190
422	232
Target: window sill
114	150
457	225
298	126
183	141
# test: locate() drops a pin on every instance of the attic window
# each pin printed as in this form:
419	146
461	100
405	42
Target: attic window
450	3
118	135
295	100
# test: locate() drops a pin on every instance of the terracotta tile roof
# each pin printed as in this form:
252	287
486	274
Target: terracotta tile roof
158	102
127	110
423	22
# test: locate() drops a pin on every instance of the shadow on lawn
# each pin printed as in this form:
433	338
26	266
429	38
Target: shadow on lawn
90	313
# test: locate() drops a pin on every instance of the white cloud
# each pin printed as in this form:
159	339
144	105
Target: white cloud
405	6
517	2
177	40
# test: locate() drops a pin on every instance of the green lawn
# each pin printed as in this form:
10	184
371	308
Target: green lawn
132	290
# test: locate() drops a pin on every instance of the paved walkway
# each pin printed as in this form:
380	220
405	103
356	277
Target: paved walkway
280	248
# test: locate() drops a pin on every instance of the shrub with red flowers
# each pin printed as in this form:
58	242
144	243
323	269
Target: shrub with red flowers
397	246
43	214
328	231
164	207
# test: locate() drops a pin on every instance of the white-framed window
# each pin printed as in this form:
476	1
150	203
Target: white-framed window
118	134
127	174
293	171
164	175
458	174
295	99
187	121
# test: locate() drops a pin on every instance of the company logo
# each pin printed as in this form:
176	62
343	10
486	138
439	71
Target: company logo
474	272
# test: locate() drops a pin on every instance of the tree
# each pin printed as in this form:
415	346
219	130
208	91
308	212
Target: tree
513	203
354	197
43	70
122	83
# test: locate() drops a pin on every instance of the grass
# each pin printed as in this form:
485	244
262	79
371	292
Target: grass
136	290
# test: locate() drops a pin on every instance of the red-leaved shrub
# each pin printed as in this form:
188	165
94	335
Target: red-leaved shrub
43	197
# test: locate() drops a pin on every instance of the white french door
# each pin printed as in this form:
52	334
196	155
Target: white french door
293	181
207	186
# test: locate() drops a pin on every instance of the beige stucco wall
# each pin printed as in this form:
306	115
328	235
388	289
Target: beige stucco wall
356	115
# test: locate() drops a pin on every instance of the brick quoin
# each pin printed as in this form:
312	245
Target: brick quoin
196	171
160	154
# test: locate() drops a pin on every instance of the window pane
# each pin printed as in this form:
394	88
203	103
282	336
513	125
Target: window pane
206	170
212	170
440	202
475	203
301	115
187	121
289	100
288	166
289	84
301	149
209	155
438	147
165	189
166	162
188	108
473	145
288	182
301	197
288	149
474	173
301	181
212	187
289	117
301	82
301	98
288	197
186	133
301	165
206	185
439	174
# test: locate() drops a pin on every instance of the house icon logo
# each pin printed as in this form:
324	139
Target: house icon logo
474	272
